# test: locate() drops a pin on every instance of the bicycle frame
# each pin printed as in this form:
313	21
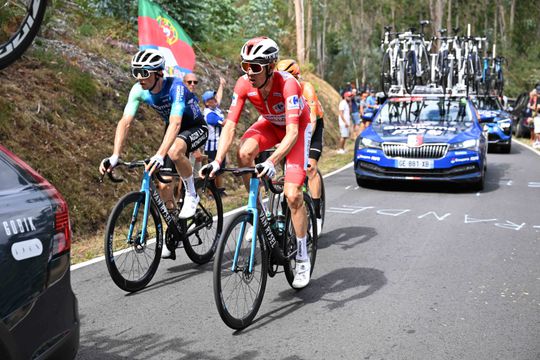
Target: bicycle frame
254	207
150	193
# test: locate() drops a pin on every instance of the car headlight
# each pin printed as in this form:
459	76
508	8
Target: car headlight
471	144
368	143
504	124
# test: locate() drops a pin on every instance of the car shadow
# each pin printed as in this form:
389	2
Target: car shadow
366	280
100	344
346	237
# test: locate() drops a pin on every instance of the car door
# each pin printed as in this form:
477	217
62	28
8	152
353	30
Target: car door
26	230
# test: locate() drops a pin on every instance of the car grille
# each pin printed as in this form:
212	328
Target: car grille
425	151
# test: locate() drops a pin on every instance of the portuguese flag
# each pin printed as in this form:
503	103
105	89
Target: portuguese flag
158	30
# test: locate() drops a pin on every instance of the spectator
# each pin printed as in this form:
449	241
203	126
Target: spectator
355	112
214	118
191	81
531	113
534	105
344	120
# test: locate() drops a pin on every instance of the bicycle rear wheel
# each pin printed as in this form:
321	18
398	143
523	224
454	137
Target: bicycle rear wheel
239	292
205	227
131	260
322	207
386	75
290	241
20	21
410	72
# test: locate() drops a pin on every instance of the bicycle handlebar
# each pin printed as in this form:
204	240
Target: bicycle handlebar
268	184
131	165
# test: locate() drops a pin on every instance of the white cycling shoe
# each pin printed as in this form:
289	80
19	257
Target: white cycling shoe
189	207
167	254
303	272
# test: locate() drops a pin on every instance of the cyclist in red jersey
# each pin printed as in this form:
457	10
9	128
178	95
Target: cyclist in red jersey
277	96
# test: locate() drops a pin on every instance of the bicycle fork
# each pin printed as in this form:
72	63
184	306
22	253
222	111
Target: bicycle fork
145	188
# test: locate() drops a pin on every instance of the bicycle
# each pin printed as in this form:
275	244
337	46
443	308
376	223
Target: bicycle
241	267
21	20
498	77
134	230
417	63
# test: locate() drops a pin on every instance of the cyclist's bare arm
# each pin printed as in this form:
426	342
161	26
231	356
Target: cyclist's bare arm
122	130
225	140
286	144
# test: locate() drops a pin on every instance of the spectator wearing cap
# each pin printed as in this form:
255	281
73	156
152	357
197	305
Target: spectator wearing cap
344	120
214	118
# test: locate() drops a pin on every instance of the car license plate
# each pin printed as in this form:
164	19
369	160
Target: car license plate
414	164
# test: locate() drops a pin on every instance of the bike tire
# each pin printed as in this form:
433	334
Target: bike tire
17	43
425	77
118	251
386	76
200	246
410	72
290	241
232	285
322	208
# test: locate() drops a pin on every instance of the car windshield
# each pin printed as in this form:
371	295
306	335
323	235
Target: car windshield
426	111
487	103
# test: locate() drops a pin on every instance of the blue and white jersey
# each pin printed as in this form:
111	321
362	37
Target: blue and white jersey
173	99
214	118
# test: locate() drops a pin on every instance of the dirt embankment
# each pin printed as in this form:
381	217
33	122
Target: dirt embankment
60	104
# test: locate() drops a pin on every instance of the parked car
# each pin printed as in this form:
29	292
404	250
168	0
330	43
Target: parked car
518	111
497	120
423	138
38	309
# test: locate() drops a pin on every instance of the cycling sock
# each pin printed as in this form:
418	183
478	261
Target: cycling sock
317	206
302	254
190	186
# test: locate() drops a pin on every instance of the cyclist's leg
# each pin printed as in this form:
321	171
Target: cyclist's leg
295	174
314	181
187	141
259	137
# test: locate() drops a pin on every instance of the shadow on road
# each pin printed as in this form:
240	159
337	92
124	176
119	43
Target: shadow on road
329	289
346	237
179	274
123	345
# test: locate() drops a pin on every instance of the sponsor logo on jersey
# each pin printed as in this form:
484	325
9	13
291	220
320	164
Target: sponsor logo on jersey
277	94
293	102
234	99
279	107
252	93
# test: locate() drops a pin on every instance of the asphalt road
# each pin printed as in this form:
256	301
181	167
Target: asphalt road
403	272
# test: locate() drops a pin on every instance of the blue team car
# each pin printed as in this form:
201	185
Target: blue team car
423	138
498	122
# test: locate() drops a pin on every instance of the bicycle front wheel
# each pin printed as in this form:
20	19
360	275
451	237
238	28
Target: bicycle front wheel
238	292
290	241
205	227
131	259
20	21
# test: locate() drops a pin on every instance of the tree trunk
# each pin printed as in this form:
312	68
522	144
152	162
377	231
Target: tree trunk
436	12
502	22
449	17
308	30
299	13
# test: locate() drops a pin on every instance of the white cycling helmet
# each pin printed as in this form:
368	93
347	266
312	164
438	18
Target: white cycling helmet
149	59
261	50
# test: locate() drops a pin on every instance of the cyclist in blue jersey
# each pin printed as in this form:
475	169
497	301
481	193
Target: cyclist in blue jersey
185	128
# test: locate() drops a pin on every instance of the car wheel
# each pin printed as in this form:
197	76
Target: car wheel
505	149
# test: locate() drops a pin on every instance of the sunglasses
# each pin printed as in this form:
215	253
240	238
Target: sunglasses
192	82
141	74
255	68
